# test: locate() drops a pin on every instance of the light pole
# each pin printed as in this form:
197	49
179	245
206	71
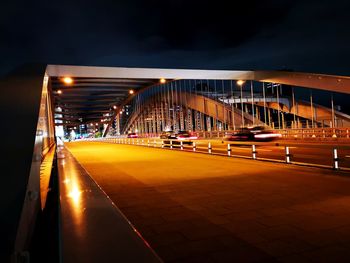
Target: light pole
252	95
240	84
293	100
278	105
264	95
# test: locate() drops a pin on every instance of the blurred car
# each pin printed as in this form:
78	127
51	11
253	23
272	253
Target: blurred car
167	135
243	134
185	136
132	135
257	133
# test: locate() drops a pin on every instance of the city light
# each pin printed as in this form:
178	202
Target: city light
121	112
162	80
131	91
67	80
240	82
59	91
114	107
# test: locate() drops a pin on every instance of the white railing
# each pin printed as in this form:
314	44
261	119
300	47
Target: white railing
232	149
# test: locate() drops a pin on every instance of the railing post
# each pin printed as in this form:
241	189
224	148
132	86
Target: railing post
148	143
228	150
182	145
209	147
162	144
171	144
254	151
335	159
334	135
194	146
154	143
287	154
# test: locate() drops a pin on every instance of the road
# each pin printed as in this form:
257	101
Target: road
202	208
318	152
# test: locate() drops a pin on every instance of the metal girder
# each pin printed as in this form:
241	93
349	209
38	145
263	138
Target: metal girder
76	119
103	80
78	95
79	106
85	101
90	84
79	112
69	124
82	116
309	80
89	89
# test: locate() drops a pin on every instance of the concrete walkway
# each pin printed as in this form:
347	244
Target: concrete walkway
201	208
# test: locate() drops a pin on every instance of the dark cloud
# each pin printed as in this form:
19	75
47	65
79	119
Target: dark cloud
303	35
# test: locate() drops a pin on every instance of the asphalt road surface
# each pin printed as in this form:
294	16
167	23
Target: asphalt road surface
202	208
317	152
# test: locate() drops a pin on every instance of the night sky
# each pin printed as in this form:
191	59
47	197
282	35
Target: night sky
312	36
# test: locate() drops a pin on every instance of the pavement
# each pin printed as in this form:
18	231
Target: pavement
204	208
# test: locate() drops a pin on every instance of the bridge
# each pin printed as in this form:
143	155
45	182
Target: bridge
79	188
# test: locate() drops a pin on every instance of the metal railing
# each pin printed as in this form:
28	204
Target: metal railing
284	154
302	133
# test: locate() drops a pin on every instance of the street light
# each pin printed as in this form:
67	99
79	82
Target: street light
131	91
114	107
67	80
59	91
162	80
240	83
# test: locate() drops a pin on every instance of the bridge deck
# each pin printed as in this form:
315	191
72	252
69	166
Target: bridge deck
201	208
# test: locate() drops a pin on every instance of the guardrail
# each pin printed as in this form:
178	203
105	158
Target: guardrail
316	133
294	134
285	155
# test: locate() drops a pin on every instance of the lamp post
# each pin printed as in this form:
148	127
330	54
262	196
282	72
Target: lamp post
240	84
